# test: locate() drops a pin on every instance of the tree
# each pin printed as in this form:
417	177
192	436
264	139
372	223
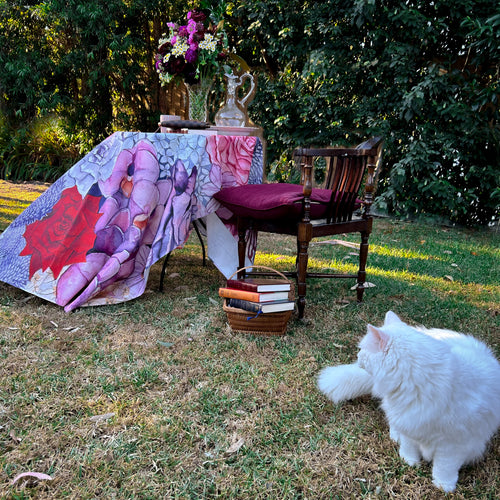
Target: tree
91	62
423	74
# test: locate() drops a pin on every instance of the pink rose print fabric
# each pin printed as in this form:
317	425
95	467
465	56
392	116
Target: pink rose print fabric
92	237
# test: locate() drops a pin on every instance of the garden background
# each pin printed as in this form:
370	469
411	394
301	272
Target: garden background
156	397
422	74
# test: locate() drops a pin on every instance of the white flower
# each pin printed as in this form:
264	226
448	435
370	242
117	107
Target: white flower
180	48
208	43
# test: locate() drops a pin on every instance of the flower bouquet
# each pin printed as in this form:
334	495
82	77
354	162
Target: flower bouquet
193	53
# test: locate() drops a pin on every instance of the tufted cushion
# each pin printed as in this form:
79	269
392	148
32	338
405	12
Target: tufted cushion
272	201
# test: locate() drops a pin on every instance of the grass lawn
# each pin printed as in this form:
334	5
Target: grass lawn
157	398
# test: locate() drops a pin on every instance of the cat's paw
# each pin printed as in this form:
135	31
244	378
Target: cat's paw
444	475
413	460
446	486
409	451
343	382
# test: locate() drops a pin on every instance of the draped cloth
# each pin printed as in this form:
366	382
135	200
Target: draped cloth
93	236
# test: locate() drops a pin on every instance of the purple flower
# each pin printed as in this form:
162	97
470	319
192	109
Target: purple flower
190	55
133	200
197	15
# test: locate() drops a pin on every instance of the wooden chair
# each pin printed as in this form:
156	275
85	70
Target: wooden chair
308	212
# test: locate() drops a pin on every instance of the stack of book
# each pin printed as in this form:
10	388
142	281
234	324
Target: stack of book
258	295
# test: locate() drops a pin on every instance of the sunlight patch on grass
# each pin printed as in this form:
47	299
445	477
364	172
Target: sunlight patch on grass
481	295
14	198
274	260
403	253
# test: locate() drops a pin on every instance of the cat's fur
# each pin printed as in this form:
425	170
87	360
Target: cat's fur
440	392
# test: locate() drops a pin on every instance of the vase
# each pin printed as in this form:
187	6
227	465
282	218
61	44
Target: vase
198	97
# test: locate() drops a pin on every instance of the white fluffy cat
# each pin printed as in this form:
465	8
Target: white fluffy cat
440	392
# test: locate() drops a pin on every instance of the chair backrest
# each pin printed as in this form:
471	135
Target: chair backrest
346	170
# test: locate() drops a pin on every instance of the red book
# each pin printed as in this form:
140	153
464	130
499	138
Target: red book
260	285
231	293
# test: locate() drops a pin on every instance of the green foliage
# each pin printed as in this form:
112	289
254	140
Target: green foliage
40	150
425	76
90	62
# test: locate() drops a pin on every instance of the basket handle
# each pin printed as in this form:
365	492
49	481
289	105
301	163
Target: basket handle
260	267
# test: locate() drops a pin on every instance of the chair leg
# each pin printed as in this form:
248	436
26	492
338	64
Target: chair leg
363	256
302	259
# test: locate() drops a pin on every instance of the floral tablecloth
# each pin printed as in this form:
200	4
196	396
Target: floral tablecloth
92	237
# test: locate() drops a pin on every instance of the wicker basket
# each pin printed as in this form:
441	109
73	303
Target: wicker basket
242	321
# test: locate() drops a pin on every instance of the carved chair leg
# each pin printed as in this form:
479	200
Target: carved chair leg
363	257
302	259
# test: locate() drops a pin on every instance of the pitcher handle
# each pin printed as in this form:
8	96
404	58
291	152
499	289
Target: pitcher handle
251	92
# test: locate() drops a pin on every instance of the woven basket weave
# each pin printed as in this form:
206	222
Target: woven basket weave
242	321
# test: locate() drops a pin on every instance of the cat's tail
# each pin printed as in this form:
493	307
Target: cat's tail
343	382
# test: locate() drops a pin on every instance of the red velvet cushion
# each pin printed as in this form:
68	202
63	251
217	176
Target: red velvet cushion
271	201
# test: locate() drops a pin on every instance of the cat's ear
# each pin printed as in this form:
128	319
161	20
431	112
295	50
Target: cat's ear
391	318
375	340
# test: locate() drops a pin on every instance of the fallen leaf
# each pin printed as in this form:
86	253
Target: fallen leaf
13	436
37	475
448	277
104	416
449	252
235	446
165	344
338	346
174	275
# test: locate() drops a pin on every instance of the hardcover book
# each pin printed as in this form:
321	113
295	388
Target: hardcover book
232	293
266	307
260	285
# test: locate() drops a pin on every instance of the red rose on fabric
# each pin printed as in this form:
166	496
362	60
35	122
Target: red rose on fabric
65	235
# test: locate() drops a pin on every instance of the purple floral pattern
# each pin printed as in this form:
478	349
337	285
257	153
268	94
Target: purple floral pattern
142	191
